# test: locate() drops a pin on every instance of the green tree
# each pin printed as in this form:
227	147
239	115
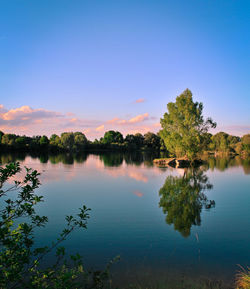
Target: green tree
54	142
67	140
1	134
139	140
232	140
183	126
130	141
152	141
35	143
9	139
238	148
223	144
134	141
80	141
21	142
246	139
19	257
112	136
44	141
206	141
219	141
130	138
246	143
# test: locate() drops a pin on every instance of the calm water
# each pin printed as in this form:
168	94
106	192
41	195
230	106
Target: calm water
159	221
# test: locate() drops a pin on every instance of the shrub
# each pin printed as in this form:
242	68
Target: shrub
243	279
19	258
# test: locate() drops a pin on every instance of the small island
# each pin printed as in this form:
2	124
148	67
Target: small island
177	162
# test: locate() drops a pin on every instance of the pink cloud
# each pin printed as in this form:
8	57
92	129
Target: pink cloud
122	121
70	114
113	120
39	121
142	129
31	121
25	115
139	118
86	131
140	100
100	128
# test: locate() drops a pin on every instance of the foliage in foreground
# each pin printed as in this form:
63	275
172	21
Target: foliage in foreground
243	279
19	258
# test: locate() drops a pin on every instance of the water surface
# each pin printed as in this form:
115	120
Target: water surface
158	220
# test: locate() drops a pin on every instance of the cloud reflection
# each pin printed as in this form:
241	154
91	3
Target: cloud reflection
138	194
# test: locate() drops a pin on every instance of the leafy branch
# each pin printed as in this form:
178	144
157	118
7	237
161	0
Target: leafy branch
19	259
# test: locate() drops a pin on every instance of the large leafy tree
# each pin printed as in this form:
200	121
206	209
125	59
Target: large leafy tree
44	141
80	141
21	141
223	142
139	139
67	140
54	141
8	139
246	143
183	126
1	134
152	141
112	136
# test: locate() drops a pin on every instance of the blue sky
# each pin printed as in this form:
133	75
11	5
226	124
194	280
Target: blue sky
81	65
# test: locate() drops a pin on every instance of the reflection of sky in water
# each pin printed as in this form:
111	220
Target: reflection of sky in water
53	172
126	219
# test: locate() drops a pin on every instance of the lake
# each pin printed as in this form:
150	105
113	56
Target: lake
163	222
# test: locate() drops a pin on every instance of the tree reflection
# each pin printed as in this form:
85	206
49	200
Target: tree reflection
12	157
246	166
134	158
112	159
68	159
223	163
43	158
80	157
182	199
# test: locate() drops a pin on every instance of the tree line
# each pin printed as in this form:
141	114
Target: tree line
77	141
184	133
113	140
